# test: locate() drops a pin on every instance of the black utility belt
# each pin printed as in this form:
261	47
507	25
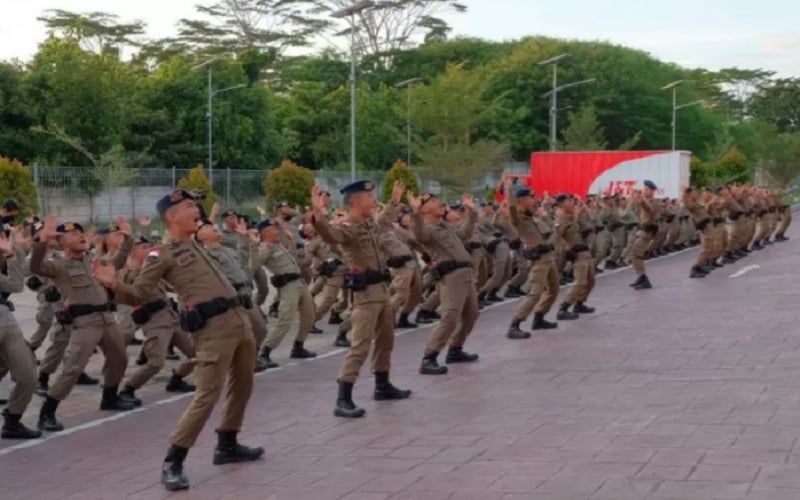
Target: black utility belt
586	233
473	245
329	267
195	317
358	280
142	314
51	294
240	286
650	227
632	225
492	245
735	215
599	229
719	220
442	269
703	223
537	252
572	254
67	315
281	280
398	262
515	244
772	210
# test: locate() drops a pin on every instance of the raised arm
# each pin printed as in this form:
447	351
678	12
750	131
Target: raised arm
121	257
467	226
13	280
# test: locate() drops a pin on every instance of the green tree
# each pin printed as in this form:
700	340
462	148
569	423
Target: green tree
733	167
196	180
779	153
401	172
16	181
584	132
289	182
698	173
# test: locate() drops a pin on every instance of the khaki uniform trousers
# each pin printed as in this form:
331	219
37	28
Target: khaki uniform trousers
751	229
432	301
762	229
523	269
706	246
660	238
373	332
602	243
223	349
737	238
639	250
45	314
328	297
258	325
631	235
544	281
406	288
88	332
159	332
294	299
59	340
459	311
786	220
584	272
673	232
619	240
480	267
501	268
720	236
262	286
17	358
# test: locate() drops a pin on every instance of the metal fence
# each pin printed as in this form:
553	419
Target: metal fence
80	194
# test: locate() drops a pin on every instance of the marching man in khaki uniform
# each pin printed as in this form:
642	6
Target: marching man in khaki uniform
15	355
160	326
543	274
366	279
445	243
224	345
578	252
406	277
648	229
89	311
705	226
293	295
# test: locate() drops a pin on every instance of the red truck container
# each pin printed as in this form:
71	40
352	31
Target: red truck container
609	172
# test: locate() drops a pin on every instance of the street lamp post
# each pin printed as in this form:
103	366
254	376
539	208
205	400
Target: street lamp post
350	12
407	84
210	112
554	109
674	87
554	96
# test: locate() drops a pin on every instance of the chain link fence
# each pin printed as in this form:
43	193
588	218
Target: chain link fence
81	195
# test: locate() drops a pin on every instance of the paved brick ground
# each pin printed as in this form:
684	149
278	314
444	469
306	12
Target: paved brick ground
687	391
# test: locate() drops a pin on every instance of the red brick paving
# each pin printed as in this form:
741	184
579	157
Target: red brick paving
687	391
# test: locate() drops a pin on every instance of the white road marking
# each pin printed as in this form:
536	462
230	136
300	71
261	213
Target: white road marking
101	421
743	271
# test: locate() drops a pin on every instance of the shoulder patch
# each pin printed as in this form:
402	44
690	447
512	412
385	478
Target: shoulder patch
154	253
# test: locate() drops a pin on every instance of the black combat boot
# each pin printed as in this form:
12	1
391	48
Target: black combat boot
781	237
539	323
643	284
265	352
128	393
403	322
85	379
459	355
430	366
493	297
315	330
172	476
610	264
335	318
229	451
729	258
112	402
697	272
44	384
261	364
599	270
345	407
582	308
178	384
135	341
14	429
47	416
638	281
385	391
434	315
564	314
341	339
423	317
171	354
273	309
300	352
515	332
513	292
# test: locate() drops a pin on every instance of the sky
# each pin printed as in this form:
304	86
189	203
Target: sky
713	34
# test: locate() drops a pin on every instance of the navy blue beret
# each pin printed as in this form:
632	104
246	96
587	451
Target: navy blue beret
69	226
560	198
172	199
281	204
456	207
651	185
265	223
522	192
357	187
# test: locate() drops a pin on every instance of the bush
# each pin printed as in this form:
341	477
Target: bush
16	181
403	173
733	167
198	181
289	182
698	173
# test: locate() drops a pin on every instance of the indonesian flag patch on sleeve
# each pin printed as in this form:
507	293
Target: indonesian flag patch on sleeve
154	253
